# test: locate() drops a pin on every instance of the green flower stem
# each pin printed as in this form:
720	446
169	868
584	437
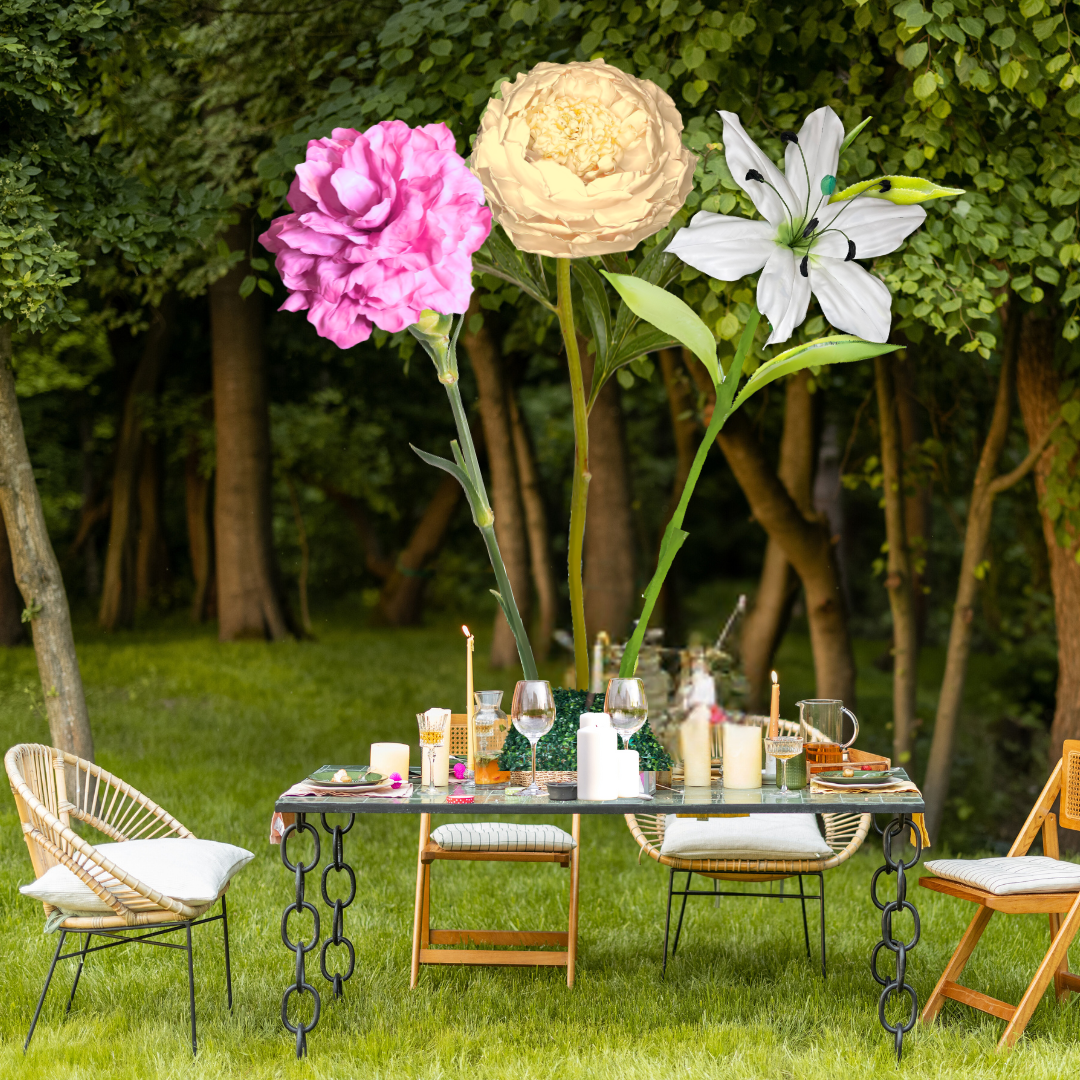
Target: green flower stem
579	496
674	536
485	521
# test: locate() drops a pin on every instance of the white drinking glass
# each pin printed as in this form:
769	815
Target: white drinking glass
626	704
533	713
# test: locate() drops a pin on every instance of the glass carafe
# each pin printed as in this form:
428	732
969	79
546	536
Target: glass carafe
491	725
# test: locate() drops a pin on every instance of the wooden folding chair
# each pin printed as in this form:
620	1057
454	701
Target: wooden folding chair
424	937
1063	909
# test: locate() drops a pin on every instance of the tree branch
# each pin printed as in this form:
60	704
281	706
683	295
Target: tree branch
1007	480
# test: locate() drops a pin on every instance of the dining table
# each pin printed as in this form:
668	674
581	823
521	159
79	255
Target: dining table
901	824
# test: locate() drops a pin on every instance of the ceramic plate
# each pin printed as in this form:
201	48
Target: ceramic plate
837	777
360	776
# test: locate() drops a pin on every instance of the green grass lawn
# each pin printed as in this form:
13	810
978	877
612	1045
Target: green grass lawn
214	732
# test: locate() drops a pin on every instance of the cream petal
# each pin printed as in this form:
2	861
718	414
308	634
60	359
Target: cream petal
742	155
725	248
874	226
852	299
783	294
817	153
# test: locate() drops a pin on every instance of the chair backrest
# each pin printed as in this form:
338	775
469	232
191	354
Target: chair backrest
459	735
1069	809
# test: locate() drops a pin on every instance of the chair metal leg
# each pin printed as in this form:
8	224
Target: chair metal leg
667	922
191	990
682	912
228	966
75	984
821	907
805	928
45	989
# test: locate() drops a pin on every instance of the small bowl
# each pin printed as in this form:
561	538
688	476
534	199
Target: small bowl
562	791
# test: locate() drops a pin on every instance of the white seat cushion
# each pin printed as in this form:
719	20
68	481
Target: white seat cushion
192	871
755	836
501	836
1004	877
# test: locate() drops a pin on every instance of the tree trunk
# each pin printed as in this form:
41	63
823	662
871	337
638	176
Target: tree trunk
305	556
806	543
609	529
400	602
505	497
1037	384
779	585
11	605
37	575
916	494
91	563
200	535
898	580
680	397
543	575
117	606
249	605
985	489
151	552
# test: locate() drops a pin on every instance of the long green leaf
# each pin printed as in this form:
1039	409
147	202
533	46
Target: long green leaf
671	315
658	268
597	307
476	503
839	349
501	259
853	134
903	190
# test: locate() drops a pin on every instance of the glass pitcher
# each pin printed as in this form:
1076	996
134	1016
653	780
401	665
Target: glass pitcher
821	724
491	725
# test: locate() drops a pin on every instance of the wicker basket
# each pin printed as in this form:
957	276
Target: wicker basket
523	778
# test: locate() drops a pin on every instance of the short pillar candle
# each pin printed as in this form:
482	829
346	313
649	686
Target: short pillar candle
742	756
388	758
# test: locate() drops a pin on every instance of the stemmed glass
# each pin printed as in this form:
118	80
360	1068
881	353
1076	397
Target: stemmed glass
533	713
432	726
783	747
626	704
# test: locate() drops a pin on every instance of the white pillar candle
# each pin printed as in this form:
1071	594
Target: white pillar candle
742	756
597	745
389	758
442	762
627	771
695	739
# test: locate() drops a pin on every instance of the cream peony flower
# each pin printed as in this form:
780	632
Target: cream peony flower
582	159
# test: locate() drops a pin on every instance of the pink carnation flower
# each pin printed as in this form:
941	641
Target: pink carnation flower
385	226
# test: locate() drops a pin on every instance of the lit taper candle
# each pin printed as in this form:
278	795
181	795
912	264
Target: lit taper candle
470	644
774	710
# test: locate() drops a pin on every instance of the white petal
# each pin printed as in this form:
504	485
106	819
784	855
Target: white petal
725	248
875	226
852	299
783	294
819	143
742	155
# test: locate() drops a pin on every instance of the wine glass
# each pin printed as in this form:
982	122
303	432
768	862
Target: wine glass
533	713
432	726
783	747
627	706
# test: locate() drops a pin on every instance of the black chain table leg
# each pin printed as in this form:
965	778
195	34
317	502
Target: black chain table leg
300	948
899	826
337	932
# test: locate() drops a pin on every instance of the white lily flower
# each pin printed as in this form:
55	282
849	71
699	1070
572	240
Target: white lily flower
805	244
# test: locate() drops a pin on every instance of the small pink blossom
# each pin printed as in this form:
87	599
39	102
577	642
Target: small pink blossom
385	224
396	778
459	770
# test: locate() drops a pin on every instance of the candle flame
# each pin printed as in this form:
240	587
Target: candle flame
465	630
774	678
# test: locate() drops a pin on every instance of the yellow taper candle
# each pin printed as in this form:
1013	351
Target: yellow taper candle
470	643
774	711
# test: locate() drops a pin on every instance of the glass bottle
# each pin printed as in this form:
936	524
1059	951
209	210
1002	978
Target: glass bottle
491	725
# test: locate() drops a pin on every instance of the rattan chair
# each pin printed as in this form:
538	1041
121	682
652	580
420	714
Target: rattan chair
844	833
39	781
